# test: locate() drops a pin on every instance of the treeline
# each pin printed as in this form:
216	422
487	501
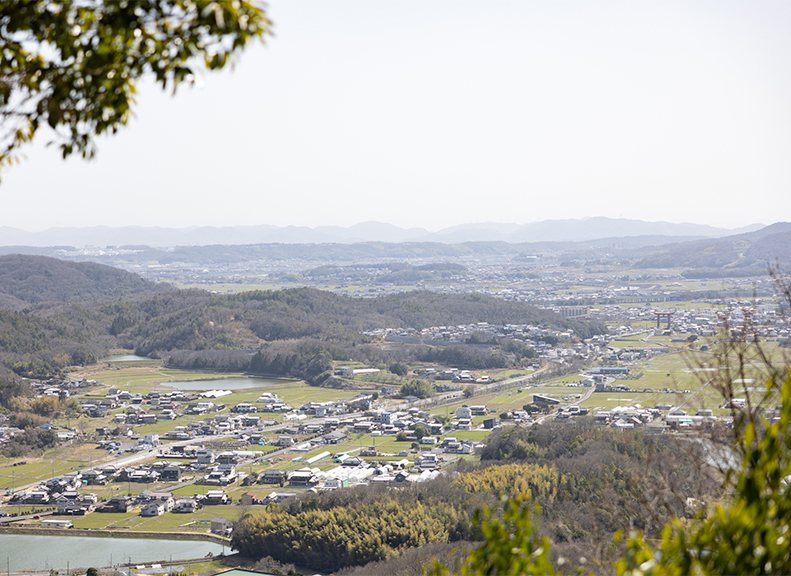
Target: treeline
588	482
311	359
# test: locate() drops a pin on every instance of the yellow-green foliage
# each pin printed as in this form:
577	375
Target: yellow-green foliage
338	537
538	482
511	545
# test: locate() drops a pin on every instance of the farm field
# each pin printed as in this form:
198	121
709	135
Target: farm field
52	463
195	522
635	342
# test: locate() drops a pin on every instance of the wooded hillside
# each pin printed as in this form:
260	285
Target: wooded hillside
28	279
92	308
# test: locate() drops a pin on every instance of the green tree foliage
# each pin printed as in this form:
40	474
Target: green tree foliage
399	368
538	482
308	362
749	535
518	349
74	66
34	440
746	535
120	323
82	358
480	338
511	545
602	480
585	480
12	388
331	539
419	388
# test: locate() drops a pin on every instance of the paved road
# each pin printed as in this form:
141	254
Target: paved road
10	519
587	395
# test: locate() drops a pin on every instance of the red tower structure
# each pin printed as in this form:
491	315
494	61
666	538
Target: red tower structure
663	315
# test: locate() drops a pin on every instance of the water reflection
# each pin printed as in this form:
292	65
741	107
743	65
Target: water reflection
34	552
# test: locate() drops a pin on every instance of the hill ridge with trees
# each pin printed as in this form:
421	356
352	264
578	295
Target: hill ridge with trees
32	279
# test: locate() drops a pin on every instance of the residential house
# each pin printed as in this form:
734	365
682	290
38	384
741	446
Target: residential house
215	498
250	499
336	437
272	477
285	441
186	505
154	508
221	526
170	474
303	477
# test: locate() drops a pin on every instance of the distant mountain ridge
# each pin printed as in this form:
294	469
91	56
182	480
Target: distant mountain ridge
740	254
569	230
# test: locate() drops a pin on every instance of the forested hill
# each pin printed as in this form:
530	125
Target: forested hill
423	309
296	332
196	320
741	254
27	279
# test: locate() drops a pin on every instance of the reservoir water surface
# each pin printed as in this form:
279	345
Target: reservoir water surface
125	358
223	383
32	552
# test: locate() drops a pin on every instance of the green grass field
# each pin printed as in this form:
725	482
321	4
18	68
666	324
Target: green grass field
196	522
56	462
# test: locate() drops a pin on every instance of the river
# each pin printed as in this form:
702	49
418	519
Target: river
20	552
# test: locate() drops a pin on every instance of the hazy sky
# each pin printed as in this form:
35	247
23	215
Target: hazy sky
430	114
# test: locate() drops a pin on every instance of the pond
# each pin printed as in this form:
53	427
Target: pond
224	383
33	552
125	358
